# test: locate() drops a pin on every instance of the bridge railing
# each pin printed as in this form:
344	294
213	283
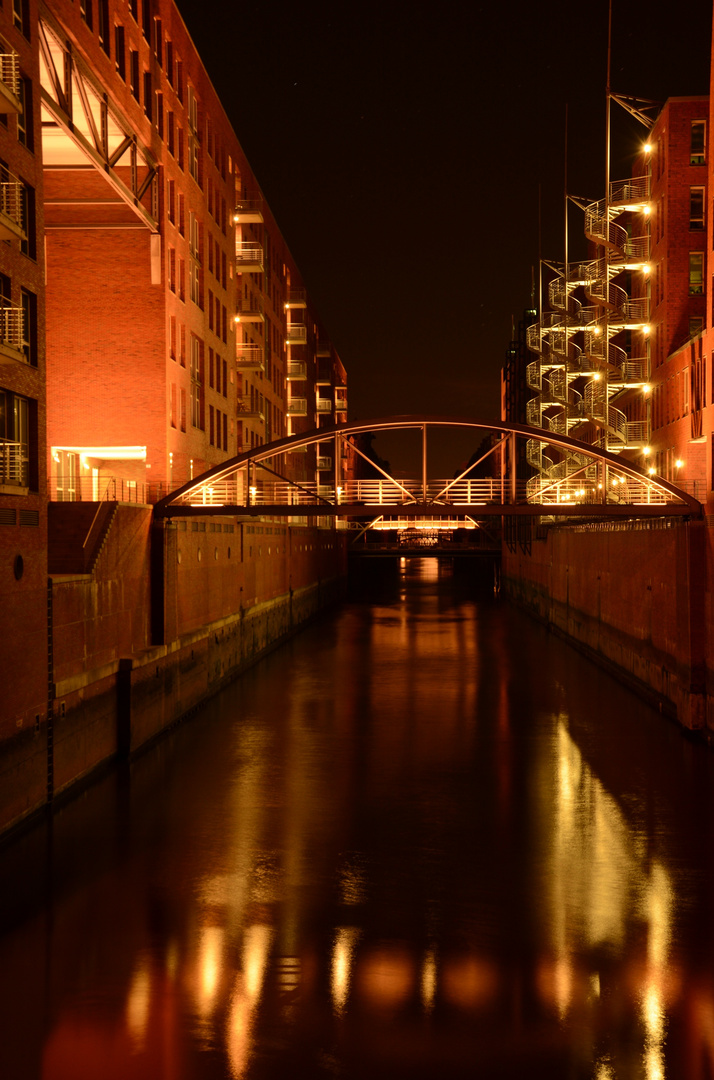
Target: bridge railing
583	487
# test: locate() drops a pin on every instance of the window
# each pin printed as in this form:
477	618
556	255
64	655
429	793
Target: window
170	63
147	21
696	273
158	41
696	208
119	53
133	8
28	246
183	409
194	282
210	425
160	114
171	201
17	417
179	80
85	10
172	337
182	280
182	353
173	406
181	214
103	24
193	234
192	110
148	96
25	130
193	159
29	325
172	269
210	313
225	431
134	72
179	146
170	133
696	325
225	378
196	382
210	368
698	138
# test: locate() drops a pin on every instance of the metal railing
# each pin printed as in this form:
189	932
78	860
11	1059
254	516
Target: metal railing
246	407
297	407
296	334
249	253
250	356
12	201
324	404
10	71
13	463
12	326
297	369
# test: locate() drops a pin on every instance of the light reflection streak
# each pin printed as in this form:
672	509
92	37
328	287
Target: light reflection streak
428	981
245	999
209	966
342	957
137	1005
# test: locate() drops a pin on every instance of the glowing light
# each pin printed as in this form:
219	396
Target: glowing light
646	269
137	1005
597	376
678	463
651	470
646	329
342	966
647	148
209	966
236	318
646	388
647	210
647	451
597	330
428	981
108	453
615	482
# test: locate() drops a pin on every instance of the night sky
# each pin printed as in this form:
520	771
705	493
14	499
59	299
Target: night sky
401	149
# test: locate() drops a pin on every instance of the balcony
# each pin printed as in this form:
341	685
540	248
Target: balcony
296	334
340	399
248	212
12	332
12	209
249	257
324	464
13	464
297	407
249	357
297	298
324	405
250	311
324	348
10	82
297	370
249	410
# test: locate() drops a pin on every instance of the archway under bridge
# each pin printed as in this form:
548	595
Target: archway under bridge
576	481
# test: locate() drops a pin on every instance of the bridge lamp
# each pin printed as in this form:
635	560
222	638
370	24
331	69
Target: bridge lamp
647	148
615	481
647	210
253	491
646	388
646	269
646	329
339	492
597	376
678	463
651	470
647	451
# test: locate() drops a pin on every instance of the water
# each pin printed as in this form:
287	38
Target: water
425	838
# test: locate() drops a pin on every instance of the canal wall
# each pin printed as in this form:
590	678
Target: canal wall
635	599
168	615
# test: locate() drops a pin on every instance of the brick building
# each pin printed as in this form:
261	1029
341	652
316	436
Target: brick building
152	320
619	355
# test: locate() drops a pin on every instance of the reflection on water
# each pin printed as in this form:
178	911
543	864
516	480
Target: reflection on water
424	838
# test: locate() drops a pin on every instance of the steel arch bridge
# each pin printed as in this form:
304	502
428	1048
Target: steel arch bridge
585	482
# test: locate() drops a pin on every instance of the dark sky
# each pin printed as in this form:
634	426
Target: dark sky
401	148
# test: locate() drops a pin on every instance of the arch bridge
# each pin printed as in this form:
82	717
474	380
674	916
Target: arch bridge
580	481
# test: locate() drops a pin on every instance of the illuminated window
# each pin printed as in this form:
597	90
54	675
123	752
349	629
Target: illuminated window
696	208
698	138
696	273
196	382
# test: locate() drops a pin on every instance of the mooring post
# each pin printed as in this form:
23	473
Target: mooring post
423	462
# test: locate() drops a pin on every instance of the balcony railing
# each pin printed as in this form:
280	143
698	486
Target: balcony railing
249	357
297	298
296	334
10	81
13	463
297	407
324	404
250	311
340	401
249	257
12	208
12	328
248	211
297	369
248	409
324	463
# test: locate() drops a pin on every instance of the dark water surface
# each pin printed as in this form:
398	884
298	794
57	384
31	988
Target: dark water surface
423	839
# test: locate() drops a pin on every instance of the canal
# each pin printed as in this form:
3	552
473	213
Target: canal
425	838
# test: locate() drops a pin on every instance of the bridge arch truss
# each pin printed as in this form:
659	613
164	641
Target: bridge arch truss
594	483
